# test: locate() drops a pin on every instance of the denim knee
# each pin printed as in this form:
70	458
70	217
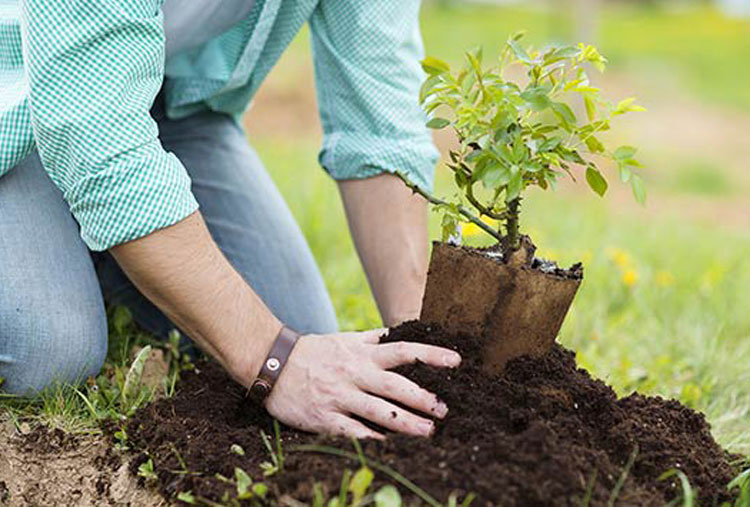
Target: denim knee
41	351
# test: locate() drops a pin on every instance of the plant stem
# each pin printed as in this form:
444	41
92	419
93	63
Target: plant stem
468	215
511	241
484	210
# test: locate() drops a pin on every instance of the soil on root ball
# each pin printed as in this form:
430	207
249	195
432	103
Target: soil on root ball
542	433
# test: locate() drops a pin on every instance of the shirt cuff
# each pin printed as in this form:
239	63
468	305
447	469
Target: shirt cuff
137	193
355	156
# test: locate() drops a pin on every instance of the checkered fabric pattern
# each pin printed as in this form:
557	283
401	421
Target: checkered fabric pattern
77	80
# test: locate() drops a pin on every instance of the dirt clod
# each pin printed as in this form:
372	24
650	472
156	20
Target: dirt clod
542	433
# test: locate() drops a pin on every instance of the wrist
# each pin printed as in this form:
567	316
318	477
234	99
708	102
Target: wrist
246	360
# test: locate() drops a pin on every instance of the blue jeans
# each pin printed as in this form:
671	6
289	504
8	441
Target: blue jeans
53	324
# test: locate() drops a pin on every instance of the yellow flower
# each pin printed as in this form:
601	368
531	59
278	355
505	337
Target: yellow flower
630	277
713	276
619	257
587	256
664	278
469	229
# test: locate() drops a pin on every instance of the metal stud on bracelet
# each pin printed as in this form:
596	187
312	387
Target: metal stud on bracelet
273	365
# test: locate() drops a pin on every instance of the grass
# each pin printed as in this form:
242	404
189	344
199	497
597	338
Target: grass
703	51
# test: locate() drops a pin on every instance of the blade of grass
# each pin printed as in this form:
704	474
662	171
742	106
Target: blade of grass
623	477
324	449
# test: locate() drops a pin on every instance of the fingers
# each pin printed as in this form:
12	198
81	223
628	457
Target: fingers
389	416
346	426
397	388
390	355
373	336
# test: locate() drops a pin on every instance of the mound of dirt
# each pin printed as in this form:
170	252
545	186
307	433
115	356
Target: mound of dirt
542	433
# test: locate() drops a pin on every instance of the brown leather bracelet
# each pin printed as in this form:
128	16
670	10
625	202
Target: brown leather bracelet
272	366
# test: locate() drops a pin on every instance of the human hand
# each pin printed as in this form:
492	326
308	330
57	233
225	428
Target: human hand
330	378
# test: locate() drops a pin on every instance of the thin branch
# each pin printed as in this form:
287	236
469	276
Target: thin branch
468	215
484	210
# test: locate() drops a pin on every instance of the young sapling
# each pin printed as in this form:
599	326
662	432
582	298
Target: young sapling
517	133
517	127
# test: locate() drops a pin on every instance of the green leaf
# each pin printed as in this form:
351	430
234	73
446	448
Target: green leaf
740	481
567	52
532	167
461	179
596	181
550	144
438	123
688	495
475	60
519	151
625	173
387	496
360	484
514	185
121	319
594	145
468	499
639	189
146	470
624	152
565	112
628	105
537	98
186	496
449	226
496	175
427	87
590	107
132	383
244	482
520	52
571	156
260	489
434	66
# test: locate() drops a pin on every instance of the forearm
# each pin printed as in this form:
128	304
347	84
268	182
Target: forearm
328	380
182	271
389	227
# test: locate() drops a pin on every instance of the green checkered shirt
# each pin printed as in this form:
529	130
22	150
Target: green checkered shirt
78	78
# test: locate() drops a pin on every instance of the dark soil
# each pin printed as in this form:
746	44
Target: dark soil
550	267
536	435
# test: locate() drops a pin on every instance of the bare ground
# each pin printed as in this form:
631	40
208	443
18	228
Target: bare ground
50	467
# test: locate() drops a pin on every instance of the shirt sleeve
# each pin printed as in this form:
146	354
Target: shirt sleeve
94	68
368	75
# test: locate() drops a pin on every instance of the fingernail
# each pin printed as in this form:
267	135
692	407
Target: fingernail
427	428
440	410
452	359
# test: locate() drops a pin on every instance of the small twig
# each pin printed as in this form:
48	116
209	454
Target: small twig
484	210
461	209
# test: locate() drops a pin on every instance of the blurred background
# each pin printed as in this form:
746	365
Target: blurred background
665	305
